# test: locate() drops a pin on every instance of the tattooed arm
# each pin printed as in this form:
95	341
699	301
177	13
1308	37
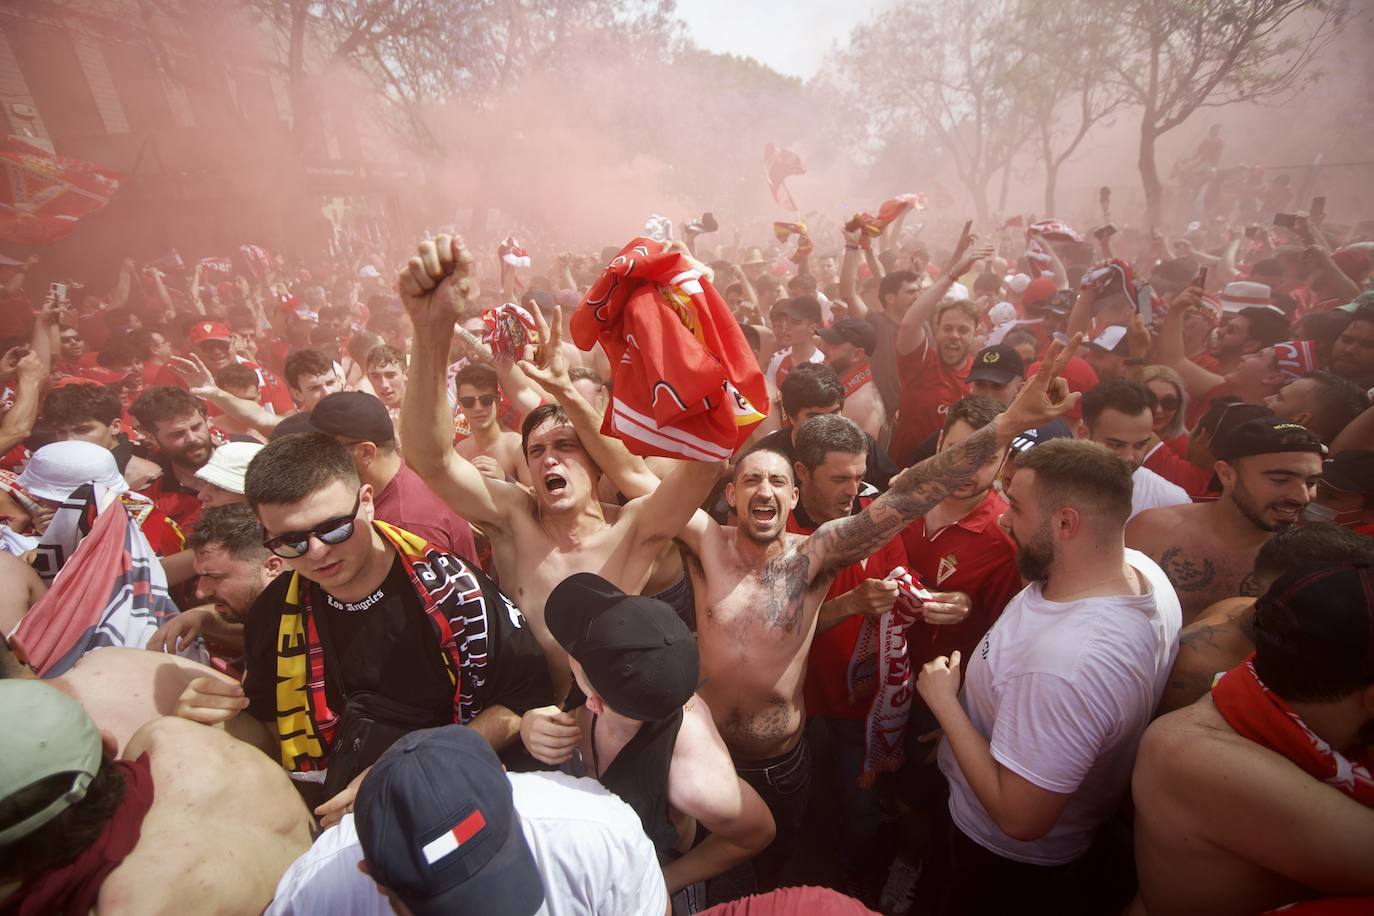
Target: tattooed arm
910	495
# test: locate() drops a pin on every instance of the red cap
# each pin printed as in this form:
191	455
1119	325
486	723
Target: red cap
1080	377
202	331
1039	290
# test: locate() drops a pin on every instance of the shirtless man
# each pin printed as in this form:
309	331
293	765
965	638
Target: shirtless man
490	447
544	534
1234	810
122	689
24	590
216	821
758	589
1224	634
1268	470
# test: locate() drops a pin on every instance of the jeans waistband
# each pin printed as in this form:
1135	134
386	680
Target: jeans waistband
761	766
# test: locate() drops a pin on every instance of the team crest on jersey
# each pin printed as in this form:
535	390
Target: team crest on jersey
948	564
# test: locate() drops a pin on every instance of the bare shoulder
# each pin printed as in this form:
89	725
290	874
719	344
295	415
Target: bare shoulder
1191	748
1152	524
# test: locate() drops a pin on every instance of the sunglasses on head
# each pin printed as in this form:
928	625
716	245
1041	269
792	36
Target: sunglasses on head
292	544
486	400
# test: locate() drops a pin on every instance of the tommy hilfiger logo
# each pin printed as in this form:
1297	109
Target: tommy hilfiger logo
447	843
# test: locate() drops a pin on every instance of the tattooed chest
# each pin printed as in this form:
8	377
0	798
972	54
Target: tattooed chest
771	602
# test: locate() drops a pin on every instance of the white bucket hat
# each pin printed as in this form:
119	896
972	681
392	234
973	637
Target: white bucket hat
228	464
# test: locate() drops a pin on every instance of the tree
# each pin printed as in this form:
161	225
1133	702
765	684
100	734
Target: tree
1177	56
1065	75
946	66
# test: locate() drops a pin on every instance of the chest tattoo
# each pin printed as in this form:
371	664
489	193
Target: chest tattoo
1188	574
784	581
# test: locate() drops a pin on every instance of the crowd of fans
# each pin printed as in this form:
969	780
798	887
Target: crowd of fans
929	572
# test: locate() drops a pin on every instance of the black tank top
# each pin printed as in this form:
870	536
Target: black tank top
639	775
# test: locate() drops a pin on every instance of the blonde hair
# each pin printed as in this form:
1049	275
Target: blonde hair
1177	426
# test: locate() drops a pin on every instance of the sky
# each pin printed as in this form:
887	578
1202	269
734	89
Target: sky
791	36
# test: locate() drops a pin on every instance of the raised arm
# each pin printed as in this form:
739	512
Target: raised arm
202	384
1171	350
18	421
913	492
849	277
123	283
434	287
626	470
1081	315
912	332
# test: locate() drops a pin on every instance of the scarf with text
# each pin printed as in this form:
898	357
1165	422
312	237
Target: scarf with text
859	375
1261	715
880	664
305	721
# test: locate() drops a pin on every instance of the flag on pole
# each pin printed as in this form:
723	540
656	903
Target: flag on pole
778	165
43	195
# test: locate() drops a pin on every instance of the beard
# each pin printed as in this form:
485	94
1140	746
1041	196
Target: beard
1252	510
1034	557
840	364
192	456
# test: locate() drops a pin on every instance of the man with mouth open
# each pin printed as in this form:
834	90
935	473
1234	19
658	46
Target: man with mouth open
557	527
758	588
1268	469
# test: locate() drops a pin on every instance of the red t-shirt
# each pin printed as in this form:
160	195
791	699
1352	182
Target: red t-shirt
827	689
973	556
929	387
1167	463
409	504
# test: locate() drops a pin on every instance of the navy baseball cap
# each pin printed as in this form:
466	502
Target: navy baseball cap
354	415
437	822
636	652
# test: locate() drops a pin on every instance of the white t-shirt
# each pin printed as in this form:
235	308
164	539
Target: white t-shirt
588	844
776	362
1150	491
1063	692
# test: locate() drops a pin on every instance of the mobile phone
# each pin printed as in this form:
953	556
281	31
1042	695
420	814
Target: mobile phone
1144	303
1285	220
1105	232
1200	281
1252	232
59	291
1318	208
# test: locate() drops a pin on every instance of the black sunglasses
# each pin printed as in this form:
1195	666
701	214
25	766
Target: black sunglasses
486	400
293	544
1168	403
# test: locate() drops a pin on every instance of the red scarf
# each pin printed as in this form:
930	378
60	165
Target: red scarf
1257	713
75	886
859	375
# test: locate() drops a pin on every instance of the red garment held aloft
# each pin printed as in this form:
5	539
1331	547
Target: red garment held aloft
684	382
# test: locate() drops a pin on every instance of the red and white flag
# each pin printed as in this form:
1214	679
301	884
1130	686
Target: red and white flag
43	195
778	165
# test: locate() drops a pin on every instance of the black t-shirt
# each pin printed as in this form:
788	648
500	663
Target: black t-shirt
386	644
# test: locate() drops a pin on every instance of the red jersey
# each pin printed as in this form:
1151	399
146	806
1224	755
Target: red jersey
929	387
973	556
684	383
180	504
826	690
1165	462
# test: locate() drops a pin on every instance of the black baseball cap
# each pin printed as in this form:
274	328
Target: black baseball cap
354	415
1350	472
1265	436
1319	618
807	308
636	652
437	823
293	425
851	330
997	364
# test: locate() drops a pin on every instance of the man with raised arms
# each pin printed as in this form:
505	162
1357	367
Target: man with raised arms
542	535
758	590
